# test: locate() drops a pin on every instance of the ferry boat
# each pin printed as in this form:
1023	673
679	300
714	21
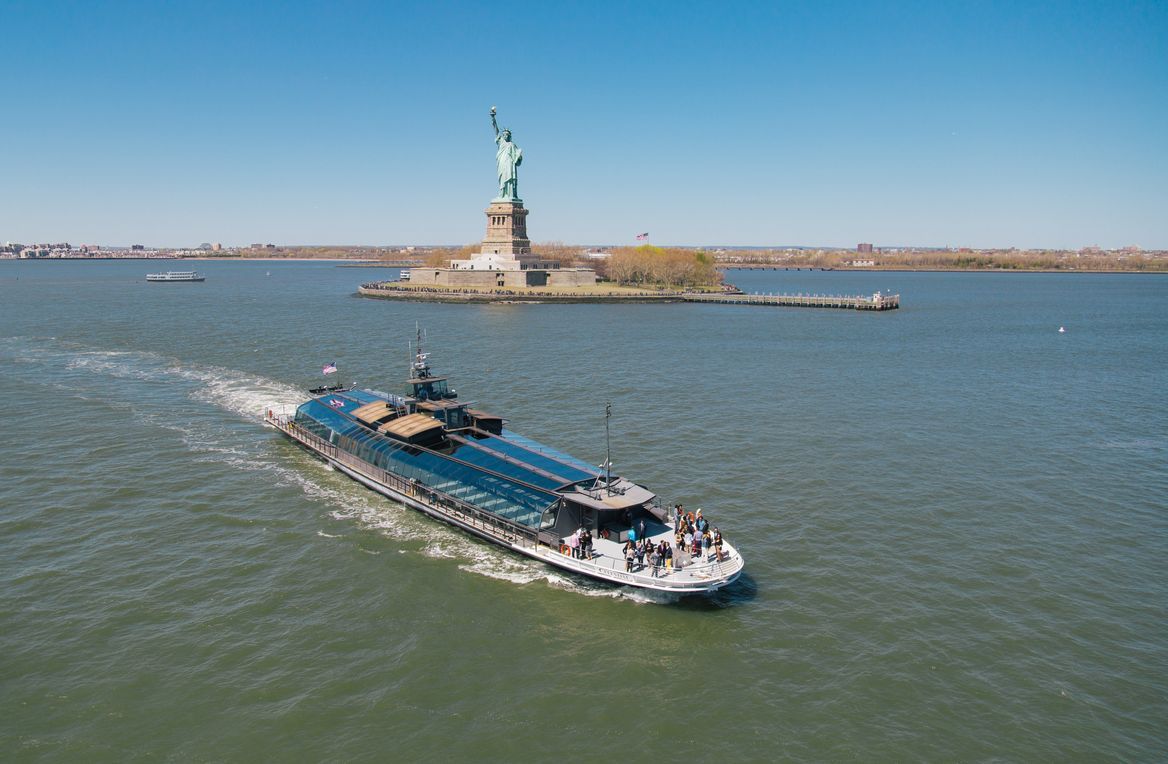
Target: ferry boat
432	452
175	276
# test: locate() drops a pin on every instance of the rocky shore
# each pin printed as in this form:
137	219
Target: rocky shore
389	290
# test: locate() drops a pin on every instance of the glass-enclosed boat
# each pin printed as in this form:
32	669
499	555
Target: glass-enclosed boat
432	452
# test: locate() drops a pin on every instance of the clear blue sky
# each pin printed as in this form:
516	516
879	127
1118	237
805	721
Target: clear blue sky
932	123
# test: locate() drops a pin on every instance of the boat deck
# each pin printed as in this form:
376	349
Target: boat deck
686	574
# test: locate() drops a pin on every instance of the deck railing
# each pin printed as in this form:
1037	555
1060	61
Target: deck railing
681	576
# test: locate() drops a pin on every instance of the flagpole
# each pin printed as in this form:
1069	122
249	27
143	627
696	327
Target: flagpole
607	449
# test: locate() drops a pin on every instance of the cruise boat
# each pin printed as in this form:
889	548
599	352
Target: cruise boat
170	276
432	452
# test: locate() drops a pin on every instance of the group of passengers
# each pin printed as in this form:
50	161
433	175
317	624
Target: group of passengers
694	533
660	556
693	538
580	544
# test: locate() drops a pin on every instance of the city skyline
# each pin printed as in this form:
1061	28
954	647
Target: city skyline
996	125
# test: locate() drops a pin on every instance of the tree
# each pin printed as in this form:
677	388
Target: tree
668	268
558	251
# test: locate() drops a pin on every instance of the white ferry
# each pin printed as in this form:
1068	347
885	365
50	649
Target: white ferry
458	464
170	276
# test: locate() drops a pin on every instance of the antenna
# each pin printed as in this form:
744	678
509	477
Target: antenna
607	449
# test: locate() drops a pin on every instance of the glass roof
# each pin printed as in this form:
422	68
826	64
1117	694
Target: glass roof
589	470
565	474
503	495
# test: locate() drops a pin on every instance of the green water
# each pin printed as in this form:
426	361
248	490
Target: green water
953	518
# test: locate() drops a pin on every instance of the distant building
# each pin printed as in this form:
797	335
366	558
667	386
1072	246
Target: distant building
216	247
864	248
137	247
863	263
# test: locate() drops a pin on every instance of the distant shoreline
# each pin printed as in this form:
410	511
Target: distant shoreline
346	262
746	267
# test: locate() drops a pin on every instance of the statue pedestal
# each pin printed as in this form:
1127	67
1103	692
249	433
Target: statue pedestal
507	230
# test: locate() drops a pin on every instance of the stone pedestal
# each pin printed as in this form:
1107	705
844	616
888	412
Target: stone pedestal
507	230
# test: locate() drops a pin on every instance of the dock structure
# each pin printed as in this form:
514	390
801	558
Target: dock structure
876	301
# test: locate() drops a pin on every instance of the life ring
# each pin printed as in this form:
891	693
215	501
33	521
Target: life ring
604	533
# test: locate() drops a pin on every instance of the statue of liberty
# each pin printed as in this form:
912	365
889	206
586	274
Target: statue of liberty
507	161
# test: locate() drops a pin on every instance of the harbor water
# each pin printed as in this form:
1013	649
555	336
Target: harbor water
953	516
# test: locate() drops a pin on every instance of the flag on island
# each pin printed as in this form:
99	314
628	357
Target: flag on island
642	236
329	368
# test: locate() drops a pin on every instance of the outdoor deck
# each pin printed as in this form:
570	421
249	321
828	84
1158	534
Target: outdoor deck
686	575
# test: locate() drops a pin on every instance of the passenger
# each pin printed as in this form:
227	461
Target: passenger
587	543
640	554
668	557
629	558
655	562
687	539
574	543
707	539
718	543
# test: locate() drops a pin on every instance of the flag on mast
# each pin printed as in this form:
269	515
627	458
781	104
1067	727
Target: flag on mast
642	236
329	368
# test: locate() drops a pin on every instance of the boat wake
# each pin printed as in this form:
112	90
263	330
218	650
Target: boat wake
143	385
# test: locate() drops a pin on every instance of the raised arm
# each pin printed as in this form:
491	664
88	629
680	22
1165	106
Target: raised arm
494	124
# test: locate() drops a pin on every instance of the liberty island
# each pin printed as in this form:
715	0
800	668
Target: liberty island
506	270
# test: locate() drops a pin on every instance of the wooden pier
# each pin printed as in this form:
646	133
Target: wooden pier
876	301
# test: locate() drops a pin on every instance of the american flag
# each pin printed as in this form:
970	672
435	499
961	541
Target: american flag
329	368
642	236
